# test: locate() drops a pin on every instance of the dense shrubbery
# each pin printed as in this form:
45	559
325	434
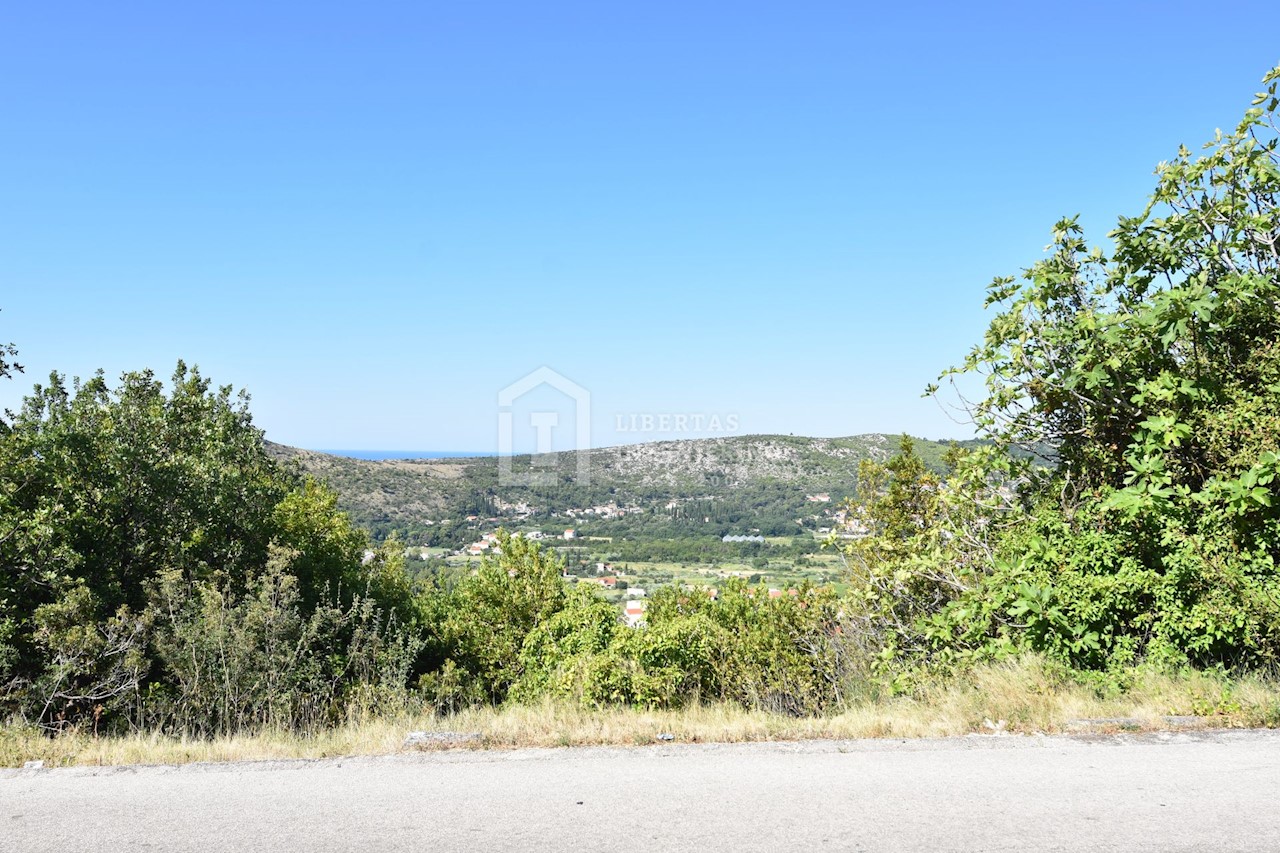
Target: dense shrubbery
515	630
1153	380
781	654
159	568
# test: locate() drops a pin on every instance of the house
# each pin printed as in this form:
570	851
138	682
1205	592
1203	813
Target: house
636	592
570	534
633	613
609	582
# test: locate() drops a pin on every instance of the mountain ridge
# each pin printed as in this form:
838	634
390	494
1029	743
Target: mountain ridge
776	474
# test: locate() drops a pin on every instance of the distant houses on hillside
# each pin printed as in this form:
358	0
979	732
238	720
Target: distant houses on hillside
488	542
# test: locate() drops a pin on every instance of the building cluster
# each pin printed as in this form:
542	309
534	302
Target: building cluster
850	524
609	510
487	544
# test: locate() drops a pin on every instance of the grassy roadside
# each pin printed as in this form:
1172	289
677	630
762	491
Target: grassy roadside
1021	697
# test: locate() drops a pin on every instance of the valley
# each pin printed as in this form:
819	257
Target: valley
694	513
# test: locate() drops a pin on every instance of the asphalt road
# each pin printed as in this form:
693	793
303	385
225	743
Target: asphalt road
1203	791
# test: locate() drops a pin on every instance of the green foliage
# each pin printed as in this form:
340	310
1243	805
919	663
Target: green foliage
1152	378
124	509
8	367
262	660
91	663
783	654
329	556
485	620
553	653
779	654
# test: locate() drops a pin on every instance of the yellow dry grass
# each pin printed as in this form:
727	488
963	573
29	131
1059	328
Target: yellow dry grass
1020	697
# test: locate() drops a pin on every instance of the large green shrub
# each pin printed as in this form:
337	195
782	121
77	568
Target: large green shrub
485	619
132	517
1150	378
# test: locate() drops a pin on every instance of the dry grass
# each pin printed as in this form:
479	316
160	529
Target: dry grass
1021	698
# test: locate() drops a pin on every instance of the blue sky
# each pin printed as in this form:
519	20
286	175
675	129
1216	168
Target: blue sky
375	216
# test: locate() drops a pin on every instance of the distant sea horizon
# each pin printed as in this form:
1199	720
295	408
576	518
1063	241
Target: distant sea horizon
406	454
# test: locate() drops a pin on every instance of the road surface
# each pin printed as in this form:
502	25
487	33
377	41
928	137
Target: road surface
1166	792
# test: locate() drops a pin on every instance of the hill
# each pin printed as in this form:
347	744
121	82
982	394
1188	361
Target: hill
759	483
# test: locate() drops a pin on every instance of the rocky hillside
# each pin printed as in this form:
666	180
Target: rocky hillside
771	475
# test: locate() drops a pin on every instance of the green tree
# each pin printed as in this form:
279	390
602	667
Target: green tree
109	495
1150	376
1154	369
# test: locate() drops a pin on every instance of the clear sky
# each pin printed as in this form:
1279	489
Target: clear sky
375	216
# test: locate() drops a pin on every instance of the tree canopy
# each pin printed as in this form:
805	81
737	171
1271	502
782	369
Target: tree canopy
1150	375
119	505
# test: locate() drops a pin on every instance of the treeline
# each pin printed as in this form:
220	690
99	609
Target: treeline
515	631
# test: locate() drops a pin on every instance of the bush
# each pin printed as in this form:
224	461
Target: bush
261	661
151	544
1150	381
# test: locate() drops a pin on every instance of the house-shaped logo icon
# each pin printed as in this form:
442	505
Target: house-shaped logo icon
544	423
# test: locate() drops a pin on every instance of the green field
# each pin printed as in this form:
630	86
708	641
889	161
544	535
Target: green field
825	569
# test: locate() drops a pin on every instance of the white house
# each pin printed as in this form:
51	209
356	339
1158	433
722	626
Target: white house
633	615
